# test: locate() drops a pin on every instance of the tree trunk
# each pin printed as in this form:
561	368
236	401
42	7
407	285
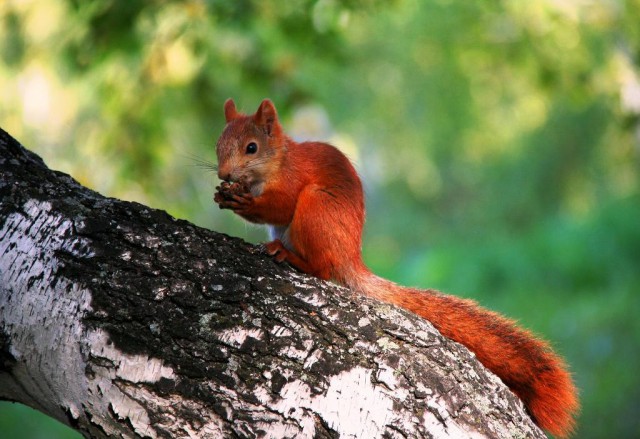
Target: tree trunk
120	320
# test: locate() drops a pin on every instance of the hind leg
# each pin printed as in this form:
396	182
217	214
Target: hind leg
324	235
280	253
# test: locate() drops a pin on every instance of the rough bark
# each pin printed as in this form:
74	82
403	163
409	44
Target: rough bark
119	320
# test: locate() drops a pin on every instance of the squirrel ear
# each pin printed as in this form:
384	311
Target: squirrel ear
230	111
267	116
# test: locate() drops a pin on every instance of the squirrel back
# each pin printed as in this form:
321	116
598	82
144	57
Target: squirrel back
311	197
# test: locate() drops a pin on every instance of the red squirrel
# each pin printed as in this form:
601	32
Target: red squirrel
311	198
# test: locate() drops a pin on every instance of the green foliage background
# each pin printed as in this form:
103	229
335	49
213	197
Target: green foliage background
499	142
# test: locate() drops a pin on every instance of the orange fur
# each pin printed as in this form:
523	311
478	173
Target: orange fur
312	197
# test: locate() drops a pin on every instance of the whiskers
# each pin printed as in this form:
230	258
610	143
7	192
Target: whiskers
256	162
212	167
202	163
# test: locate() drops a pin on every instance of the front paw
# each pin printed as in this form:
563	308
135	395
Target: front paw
234	196
240	204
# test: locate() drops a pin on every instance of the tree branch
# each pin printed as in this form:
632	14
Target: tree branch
120	320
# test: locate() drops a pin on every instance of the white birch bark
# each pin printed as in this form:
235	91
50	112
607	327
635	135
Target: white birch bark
121	321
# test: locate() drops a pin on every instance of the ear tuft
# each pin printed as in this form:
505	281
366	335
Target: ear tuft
267	117
230	111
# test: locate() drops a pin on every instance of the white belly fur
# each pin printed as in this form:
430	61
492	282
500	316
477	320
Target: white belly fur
281	233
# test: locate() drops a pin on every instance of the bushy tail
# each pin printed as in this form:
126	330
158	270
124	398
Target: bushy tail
524	363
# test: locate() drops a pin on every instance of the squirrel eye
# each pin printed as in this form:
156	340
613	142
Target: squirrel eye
252	148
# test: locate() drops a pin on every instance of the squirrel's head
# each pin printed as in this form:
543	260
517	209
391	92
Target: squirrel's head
250	146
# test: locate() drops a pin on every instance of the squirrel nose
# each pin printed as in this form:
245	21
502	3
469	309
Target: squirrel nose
224	174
